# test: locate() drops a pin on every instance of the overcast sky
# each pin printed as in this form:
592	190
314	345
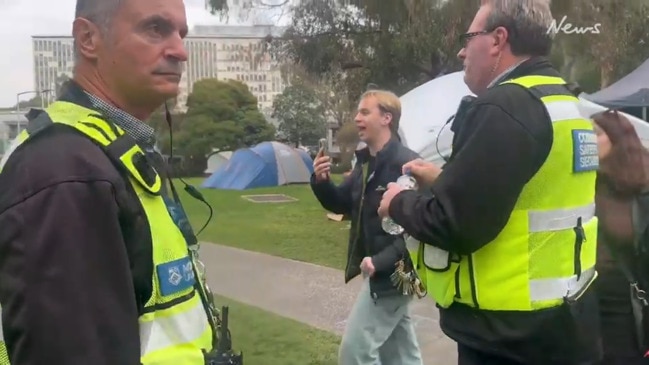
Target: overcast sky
23	18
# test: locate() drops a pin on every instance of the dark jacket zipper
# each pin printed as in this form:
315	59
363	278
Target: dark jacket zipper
358	222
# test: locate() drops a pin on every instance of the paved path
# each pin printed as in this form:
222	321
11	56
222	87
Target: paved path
309	293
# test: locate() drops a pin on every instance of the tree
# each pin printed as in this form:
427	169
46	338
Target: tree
618	44
159	123
333	91
301	115
245	7
221	115
35	102
347	139
397	45
401	44
623	37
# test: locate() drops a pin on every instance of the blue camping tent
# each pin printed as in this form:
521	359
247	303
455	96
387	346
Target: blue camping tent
307	159
266	164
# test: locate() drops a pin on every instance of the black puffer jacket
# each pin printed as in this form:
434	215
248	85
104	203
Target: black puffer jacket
366	237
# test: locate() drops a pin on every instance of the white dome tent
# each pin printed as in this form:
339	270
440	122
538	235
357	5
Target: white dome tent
216	159
427	108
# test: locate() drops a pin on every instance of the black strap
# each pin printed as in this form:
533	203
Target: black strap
188	231
117	148
580	237
207	300
546	90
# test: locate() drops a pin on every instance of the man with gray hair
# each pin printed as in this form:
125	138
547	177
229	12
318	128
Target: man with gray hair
507	244
97	262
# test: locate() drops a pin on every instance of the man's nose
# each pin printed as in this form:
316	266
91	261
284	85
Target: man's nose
462	54
176	49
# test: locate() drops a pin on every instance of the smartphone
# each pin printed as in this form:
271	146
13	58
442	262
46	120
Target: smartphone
324	150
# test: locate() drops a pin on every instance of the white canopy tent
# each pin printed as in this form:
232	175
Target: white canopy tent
427	108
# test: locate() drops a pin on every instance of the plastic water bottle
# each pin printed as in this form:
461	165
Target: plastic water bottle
407	182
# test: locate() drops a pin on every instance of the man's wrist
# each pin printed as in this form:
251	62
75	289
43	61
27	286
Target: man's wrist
395	210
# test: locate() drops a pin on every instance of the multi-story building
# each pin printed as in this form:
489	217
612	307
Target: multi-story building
234	53
53	60
222	52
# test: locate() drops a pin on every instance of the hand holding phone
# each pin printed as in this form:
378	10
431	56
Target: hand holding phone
324	150
322	162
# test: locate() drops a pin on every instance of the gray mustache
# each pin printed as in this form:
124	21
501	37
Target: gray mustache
169	69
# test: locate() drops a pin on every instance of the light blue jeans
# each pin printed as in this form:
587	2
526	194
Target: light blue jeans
379	332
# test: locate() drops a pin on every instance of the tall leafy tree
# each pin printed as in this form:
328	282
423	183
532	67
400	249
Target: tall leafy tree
221	115
609	35
396	45
300	114
400	44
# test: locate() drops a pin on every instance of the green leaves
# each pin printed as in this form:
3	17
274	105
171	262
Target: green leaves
394	44
301	115
221	115
621	44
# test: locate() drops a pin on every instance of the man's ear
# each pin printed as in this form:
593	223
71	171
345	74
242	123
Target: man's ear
501	35
87	38
387	119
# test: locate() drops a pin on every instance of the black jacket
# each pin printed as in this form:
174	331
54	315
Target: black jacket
366	237
76	256
503	141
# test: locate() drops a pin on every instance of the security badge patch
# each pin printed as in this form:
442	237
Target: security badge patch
175	276
584	150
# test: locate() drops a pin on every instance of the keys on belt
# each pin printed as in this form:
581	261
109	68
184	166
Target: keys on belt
407	281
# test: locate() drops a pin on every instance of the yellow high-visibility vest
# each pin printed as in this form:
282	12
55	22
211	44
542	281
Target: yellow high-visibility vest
174	328
546	252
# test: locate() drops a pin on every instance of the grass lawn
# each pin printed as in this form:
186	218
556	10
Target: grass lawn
297	230
268	339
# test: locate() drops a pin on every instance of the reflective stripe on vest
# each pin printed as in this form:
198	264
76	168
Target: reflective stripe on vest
539	258
174	328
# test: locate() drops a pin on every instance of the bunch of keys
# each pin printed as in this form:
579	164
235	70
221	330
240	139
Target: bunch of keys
407	282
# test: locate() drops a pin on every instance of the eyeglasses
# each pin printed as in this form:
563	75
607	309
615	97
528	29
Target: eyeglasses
466	37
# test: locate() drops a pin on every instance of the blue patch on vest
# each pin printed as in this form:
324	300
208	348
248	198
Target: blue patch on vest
584	150
175	276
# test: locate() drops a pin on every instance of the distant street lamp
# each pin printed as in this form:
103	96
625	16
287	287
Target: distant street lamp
49	93
39	92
